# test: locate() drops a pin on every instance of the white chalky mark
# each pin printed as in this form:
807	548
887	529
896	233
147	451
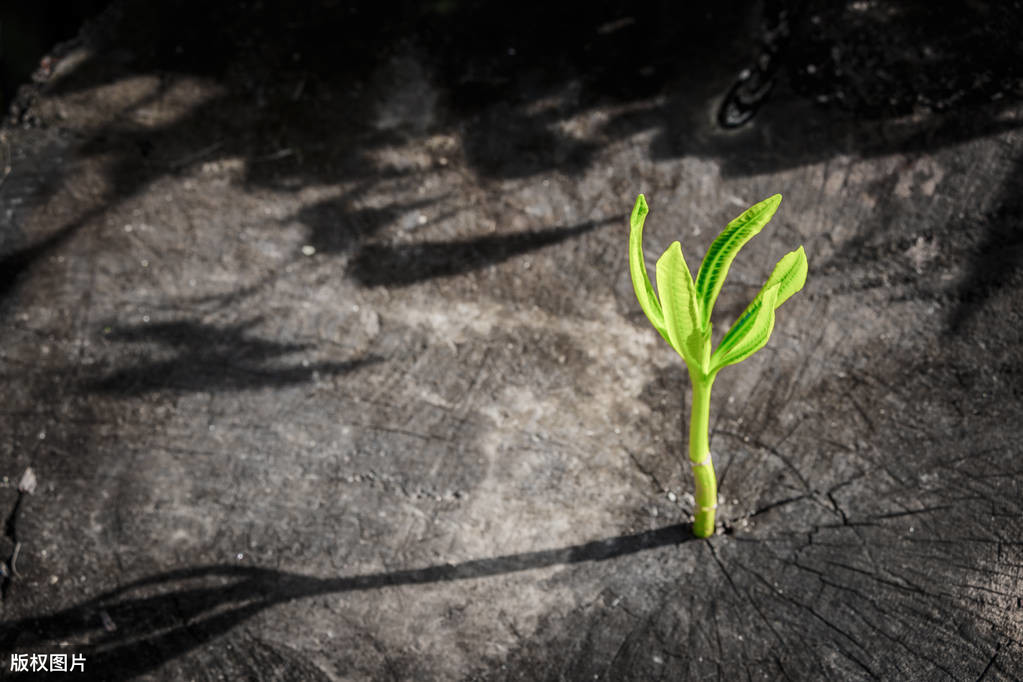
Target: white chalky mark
28	481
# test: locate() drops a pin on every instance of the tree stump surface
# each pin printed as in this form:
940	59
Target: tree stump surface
319	339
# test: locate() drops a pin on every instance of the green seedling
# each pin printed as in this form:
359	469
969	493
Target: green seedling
682	316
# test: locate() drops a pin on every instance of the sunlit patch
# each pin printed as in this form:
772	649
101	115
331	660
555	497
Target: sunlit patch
147	101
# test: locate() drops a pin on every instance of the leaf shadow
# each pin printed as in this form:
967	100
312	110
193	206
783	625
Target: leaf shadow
207	357
336	226
999	257
13	264
406	264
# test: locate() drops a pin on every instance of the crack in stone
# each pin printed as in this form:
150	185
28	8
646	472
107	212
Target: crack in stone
647	472
9	566
990	663
749	598
813	612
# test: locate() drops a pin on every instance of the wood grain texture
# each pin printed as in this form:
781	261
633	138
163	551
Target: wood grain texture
330	367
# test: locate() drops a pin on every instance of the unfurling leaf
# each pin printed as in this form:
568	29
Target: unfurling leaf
751	333
722	252
789	276
680	307
637	269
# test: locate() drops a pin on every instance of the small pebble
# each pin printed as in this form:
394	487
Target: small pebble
308	250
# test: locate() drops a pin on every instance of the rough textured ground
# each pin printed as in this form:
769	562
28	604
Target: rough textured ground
317	333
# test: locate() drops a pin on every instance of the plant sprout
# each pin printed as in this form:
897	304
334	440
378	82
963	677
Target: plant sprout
682	316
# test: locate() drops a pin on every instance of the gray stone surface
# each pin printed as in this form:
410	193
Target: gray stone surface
336	376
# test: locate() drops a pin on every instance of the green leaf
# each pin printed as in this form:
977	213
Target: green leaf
681	308
637	268
790	276
722	252
749	334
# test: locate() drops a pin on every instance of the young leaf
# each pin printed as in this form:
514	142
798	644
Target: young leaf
722	252
751	334
681	308
790	276
637	269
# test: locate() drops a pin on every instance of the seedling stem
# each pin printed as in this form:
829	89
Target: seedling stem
680	311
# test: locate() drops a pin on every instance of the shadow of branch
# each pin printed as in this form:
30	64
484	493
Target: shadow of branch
138	627
209	357
404	265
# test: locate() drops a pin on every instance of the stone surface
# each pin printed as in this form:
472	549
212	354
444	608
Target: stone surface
318	335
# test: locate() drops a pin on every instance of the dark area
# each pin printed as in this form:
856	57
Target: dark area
299	77
403	265
203	357
31	30
15	262
8	565
997	261
492	63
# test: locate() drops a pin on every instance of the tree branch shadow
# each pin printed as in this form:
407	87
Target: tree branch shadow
996	262
406	264
207	357
13	264
136	628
